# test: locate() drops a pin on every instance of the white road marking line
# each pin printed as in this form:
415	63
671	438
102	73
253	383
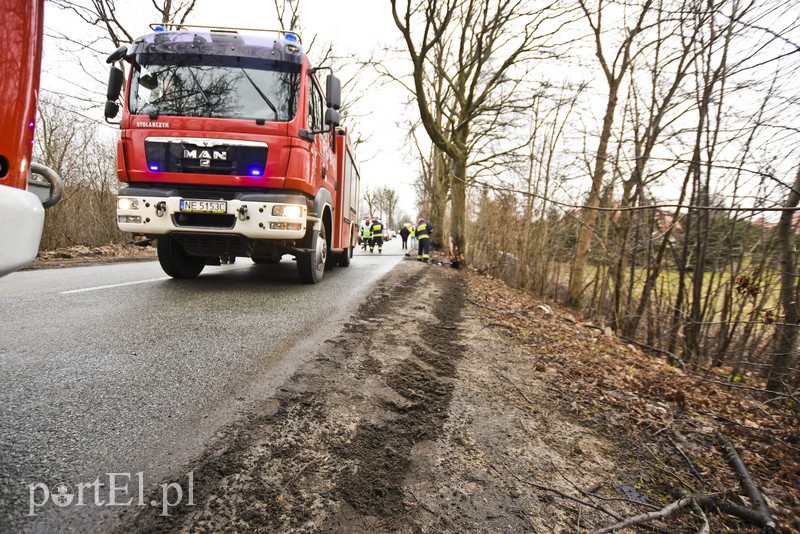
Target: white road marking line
114	285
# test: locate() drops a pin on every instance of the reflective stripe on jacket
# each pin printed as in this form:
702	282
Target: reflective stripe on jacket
424	230
377	229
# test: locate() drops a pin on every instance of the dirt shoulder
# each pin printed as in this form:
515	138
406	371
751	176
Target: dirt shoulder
450	403
82	255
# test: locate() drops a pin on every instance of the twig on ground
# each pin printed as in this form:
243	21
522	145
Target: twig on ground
688	461
422	504
295	477
666	353
705	529
562	494
759	504
593	488
515	387
592	495
663	513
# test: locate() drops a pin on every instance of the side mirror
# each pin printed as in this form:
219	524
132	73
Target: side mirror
111	110
333	90
114	84
332	117
117	54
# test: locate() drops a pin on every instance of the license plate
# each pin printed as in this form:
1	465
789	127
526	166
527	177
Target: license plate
204	206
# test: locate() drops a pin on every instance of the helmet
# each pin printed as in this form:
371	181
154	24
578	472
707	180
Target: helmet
374	219
420	219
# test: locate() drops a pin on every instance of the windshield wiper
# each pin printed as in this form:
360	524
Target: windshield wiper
264	97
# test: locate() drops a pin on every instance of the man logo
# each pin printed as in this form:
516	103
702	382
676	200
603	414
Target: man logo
205	154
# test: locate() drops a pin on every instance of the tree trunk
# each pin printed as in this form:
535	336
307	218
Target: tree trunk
440	187
589	216
786	331
458	208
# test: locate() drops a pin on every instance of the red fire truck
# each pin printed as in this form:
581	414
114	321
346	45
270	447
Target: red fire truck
229	149
21	210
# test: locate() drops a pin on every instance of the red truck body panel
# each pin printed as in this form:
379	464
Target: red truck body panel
20	65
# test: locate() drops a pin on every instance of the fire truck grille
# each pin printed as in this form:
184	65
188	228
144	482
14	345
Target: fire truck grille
188	158
213	244
203	220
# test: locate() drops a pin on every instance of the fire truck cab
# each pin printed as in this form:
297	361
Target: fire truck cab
230	147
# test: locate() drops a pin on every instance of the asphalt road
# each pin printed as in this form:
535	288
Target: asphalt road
119	369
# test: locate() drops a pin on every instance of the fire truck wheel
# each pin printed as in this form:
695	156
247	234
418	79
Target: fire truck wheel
175	261
343	258
311	265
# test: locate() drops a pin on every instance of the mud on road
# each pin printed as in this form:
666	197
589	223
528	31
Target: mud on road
418	417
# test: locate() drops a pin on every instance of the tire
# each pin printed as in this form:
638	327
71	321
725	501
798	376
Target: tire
343	258
175	261
311	265
330	258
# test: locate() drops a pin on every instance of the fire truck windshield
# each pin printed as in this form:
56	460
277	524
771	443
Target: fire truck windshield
214	86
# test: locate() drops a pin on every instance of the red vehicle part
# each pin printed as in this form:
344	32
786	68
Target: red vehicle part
21	211
226	152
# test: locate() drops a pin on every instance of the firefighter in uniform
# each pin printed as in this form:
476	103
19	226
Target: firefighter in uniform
377	235
423	234
366	234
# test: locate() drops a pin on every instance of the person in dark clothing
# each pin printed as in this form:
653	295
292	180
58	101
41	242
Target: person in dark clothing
377	235
404	233
423	232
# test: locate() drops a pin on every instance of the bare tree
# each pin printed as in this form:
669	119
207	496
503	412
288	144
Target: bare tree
614	70
479	49
85	159
371	199
386	201
104	13
786	331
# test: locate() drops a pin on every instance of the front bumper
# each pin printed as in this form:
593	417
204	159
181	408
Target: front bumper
158	212
21	223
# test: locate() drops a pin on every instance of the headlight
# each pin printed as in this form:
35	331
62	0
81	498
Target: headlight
291	210
127	203
129	219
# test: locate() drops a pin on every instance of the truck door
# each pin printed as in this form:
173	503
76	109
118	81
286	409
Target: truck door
316	123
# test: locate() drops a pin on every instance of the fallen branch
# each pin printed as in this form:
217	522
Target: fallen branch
709	503
560	493
705	529
664	513
759	504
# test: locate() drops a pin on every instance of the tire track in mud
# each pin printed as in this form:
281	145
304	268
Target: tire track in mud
331	450
424	382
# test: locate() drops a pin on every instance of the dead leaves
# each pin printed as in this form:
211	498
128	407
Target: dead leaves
640	395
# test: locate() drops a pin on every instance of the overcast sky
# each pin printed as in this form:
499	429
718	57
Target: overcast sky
364	28
357	28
